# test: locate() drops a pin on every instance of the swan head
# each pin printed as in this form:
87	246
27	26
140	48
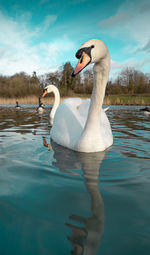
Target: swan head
92	51
47	89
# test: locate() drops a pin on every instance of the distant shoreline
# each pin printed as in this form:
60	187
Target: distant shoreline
108	100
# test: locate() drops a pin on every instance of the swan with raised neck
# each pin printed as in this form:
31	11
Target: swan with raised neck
52	89
99	55
40	108
86	130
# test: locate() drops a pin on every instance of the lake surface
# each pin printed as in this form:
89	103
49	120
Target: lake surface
54	201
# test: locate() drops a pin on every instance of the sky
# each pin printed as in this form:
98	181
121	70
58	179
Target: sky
42	35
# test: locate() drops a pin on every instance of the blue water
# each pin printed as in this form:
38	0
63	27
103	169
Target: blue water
54	201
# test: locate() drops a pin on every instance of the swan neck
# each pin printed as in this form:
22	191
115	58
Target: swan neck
92	136
56	101
101	72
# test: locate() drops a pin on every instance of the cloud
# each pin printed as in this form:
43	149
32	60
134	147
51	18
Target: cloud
115	69
145	7
15	52
141	65
115	65
43	1
114	20
18	53
56	50
130	25
145	48
130	22
49	19
78	1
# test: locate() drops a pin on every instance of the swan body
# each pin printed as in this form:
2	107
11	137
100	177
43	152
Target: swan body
83	105
67	131
82	125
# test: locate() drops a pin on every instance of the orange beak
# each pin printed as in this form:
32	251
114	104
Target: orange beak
44	93
82	63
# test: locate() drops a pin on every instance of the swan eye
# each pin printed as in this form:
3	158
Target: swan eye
92	46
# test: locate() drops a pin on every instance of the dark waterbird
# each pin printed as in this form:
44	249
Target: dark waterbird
146	110
18	107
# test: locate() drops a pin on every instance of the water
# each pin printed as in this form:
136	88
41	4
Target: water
56	201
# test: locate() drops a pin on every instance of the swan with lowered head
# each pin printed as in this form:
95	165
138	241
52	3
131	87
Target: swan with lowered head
91	131
52	89
40	109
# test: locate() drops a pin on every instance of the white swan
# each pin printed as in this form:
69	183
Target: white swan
77	126
52	89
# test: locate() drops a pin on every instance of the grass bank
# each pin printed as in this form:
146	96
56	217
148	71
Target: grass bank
109	100
127	100
32	100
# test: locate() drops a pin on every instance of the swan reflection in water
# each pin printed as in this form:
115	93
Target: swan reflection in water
85	239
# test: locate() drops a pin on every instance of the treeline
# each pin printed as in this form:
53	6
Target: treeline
20	85
129	81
